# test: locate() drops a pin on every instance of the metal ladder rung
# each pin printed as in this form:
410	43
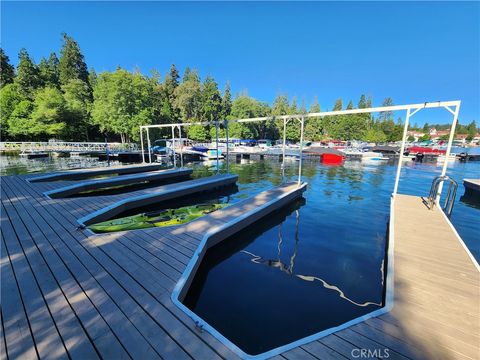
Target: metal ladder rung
449	200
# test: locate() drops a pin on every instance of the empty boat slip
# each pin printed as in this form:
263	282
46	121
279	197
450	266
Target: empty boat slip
123	180
89	173
162	193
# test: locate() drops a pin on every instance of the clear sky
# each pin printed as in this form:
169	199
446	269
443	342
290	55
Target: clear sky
410	51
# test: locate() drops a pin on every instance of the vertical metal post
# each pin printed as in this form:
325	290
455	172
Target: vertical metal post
225	123
141	144
283	147
149	148
301	151
402	150
216	139
449	148
181	145
173	148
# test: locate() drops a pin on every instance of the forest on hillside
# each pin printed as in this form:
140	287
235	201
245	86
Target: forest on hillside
61	98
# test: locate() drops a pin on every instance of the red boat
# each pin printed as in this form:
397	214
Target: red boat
332	159
425	150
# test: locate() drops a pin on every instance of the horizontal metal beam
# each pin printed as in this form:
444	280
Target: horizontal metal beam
425	105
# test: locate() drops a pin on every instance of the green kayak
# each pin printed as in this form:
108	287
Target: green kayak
162	218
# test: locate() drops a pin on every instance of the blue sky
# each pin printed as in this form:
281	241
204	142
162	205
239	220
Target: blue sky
410	51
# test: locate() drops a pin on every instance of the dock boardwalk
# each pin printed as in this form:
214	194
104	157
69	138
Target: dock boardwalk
77	174
78	187
68	294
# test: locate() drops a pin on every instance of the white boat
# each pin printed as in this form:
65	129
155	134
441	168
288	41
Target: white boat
373	156
442	158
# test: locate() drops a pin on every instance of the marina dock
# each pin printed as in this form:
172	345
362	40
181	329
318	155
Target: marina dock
133	179
69	294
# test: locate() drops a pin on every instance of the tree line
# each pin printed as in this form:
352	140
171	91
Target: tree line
61	98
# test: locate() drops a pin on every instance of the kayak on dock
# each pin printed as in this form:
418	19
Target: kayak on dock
162	218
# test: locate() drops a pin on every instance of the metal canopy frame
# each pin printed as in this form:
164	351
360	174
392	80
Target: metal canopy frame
451	106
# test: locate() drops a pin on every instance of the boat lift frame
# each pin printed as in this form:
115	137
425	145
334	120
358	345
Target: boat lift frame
451	106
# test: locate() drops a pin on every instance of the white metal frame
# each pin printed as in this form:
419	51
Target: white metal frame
67	146
451	106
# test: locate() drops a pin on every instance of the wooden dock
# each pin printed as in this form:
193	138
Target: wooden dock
66	294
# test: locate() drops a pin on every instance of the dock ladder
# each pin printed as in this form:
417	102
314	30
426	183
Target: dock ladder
451	194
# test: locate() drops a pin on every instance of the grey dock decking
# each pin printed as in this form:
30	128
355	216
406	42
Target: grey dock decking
77	174
66	294
119	180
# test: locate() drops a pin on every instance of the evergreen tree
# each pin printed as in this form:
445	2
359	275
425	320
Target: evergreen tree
72	64
315	107
92	77
362	103
7	71
314	126
226	101
171	80
386	115
49	72
211	101
28	76
338	105
350	105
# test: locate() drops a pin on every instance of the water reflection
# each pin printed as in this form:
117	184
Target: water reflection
288	268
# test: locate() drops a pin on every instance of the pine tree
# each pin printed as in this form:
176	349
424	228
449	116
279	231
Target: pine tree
211	100
7	71
362	103
72	65
92	77
350	105
338	105
293	107
49	72
386	115
226	101
315	107
28	76
171	80
169	111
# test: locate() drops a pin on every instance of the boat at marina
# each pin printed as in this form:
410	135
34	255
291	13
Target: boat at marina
373	156
442	158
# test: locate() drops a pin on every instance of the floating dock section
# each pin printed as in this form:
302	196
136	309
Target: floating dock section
162	193
88	173
179	174
472	186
